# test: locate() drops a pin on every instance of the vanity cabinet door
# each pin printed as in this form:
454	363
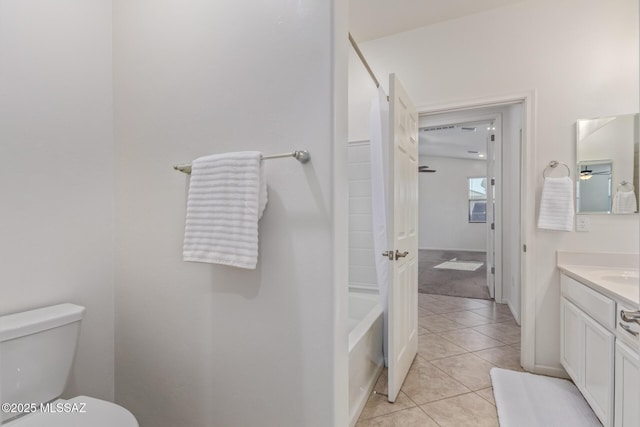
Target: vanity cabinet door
571	335
598	372
627	411
587	354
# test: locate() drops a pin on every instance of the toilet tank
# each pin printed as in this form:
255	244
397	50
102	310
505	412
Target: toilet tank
36	353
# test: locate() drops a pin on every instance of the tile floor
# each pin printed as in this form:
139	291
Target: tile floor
448	385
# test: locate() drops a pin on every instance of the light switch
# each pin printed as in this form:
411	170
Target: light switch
582	223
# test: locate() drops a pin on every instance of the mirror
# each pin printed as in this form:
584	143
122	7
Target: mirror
607	167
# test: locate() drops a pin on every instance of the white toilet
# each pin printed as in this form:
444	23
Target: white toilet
36	353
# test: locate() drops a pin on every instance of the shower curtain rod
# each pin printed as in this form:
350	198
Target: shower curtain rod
364	61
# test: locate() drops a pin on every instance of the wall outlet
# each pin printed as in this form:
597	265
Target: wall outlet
582	223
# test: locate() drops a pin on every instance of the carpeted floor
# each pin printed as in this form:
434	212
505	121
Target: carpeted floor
457	283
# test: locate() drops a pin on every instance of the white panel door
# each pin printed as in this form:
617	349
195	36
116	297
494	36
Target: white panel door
598	372
403	236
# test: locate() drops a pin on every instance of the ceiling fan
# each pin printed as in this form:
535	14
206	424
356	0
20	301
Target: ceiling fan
588	173
425	169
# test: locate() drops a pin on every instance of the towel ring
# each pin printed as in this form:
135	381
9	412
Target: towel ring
554	164
624	183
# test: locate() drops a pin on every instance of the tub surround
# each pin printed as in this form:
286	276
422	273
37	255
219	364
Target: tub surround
612	274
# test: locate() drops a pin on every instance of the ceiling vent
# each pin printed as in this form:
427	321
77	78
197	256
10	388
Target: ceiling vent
433	128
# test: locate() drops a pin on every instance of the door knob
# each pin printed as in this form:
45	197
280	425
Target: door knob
401	254
388	254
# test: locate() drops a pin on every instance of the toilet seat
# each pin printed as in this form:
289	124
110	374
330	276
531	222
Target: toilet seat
97	413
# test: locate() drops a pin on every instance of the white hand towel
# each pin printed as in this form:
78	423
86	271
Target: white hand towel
227	196
556	204
624	202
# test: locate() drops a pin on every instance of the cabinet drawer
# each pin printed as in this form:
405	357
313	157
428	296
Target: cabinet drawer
596	305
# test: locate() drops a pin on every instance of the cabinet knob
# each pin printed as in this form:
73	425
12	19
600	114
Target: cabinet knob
628	329
630	316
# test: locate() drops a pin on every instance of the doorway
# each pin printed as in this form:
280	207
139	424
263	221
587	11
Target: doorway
455	208
470	233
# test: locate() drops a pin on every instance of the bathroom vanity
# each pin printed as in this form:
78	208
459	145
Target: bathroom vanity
600	345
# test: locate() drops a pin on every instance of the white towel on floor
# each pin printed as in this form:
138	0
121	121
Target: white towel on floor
227	195
556	204
624	202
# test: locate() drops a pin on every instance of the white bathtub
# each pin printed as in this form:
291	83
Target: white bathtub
365	349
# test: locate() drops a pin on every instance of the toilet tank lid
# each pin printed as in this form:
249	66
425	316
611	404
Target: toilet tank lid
38	320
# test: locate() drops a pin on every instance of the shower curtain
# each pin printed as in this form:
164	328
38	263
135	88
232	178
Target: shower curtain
379	173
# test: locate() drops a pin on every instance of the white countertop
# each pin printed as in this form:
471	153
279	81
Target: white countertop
612	274
596	278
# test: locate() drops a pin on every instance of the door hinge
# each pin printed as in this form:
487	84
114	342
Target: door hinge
493	270
524	248
493	137
493	226
493	181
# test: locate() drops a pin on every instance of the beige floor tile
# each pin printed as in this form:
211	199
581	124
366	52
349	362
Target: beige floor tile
503	332
438	323
378	405
468	369
381	383
466	410
423	331
503	357
432	346
470	339
424	312
426	383
487	394
493	314
468	303
425	299
439	307
467	318
413	417
516	346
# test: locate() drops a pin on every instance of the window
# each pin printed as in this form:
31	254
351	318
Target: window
477	199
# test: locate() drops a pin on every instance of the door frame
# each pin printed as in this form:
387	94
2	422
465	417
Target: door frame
527	206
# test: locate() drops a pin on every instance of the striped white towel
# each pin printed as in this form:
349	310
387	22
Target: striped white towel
556	204
227	195
625	202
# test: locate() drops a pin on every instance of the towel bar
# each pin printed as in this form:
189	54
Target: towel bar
302	156
624	184
554	164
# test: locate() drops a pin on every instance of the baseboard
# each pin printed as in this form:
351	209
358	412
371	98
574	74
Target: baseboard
550	371
452	249
516	315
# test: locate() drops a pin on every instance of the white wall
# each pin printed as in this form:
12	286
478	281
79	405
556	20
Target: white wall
580	57
444	205
209	345
56	215
362	262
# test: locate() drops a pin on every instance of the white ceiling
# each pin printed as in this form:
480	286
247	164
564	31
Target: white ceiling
455	140
372	19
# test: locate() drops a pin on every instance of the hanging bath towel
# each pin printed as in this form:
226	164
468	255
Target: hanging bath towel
624	202
227	196
556	204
